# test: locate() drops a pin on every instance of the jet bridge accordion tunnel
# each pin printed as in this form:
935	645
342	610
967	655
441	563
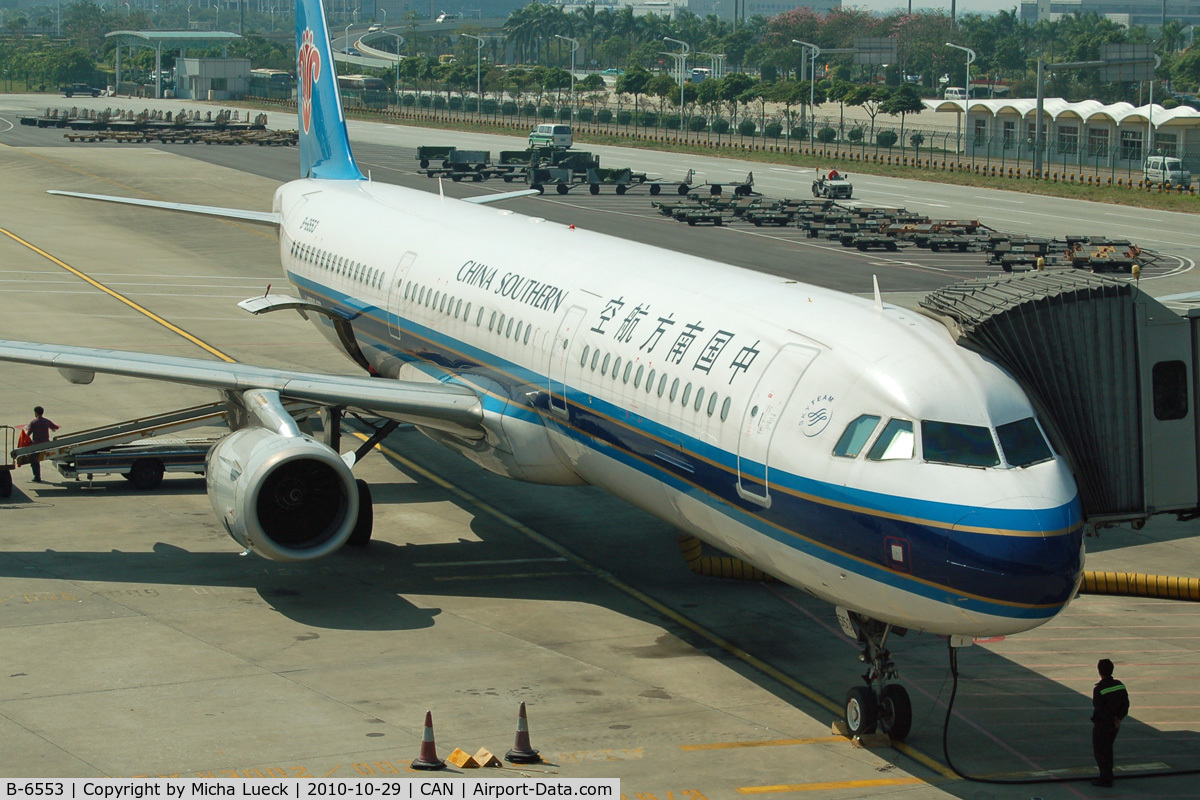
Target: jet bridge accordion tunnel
1112	372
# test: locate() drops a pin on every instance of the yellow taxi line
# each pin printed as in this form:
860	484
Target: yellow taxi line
118	296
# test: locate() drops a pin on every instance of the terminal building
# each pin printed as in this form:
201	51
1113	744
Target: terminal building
1129	13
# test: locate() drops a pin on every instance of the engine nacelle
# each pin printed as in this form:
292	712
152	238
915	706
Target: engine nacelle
288	498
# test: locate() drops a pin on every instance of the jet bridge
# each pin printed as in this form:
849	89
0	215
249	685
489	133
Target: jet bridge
1112	371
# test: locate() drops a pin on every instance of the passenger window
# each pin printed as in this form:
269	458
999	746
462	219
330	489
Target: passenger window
699	399
725	408
637	378
1170	390
492	321
712	403
458	308
687	392
961	445
583	360
517	335
595	358
896	442
508	330
407	287
436	297
442	305
662	384
528	328
467	313
604	367
500	327
1023	443
650	382
674	390
616	367
479	317
855	437
421	299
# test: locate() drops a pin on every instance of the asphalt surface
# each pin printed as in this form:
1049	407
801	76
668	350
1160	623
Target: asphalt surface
136	640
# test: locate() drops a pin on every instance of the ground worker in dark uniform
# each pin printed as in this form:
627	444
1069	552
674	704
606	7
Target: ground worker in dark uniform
39	431
1110	704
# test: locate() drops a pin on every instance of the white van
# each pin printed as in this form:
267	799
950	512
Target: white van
552	134
955	93
1166	170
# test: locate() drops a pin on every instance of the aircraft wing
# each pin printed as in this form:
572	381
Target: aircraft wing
257	217
449	407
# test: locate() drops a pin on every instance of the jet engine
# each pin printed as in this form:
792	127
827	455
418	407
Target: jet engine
287	498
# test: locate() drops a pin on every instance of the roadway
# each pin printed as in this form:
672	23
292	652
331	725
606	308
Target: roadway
137	640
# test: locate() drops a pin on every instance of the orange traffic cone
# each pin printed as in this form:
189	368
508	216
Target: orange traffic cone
522	752
428	758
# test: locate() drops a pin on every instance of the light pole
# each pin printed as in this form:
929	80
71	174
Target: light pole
717	60
478	70
346	48
399	42
967	102
189	17
574	47
684	47
812	81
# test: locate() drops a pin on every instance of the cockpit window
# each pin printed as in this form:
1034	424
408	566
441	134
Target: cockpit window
855	437
896	442
963	445
1023	443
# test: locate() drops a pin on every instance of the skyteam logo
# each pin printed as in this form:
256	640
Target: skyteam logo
816	414
308	71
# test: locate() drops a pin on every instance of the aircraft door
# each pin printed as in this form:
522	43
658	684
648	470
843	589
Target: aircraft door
568	331
761	418
396	293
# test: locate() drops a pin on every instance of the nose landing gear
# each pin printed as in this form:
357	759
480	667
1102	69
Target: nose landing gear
879	704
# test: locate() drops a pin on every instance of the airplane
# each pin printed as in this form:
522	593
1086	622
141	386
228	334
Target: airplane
847	447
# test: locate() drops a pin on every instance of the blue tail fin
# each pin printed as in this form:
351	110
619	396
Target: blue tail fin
324	144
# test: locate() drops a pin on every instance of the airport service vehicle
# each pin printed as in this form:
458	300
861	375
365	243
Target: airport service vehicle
72	89
1166	170
552	134
848	447
833	187
8	440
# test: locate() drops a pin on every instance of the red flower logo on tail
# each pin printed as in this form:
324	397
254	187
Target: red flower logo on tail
308	70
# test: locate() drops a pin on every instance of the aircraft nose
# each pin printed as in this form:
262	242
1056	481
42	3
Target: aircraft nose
1027	552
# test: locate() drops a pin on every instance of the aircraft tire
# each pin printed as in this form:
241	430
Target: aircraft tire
361	535
621	188
562	188
5	483
862	710
424	163
895	712
593	188
146	474
655	188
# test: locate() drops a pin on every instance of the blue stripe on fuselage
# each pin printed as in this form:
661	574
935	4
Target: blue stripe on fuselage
843	526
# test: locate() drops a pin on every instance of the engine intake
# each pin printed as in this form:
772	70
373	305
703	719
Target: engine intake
287	498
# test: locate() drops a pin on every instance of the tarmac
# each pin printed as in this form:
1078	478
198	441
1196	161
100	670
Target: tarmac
137	640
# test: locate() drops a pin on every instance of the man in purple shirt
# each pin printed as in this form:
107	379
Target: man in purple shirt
39	431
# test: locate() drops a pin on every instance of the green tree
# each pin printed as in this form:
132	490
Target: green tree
635	82
904	101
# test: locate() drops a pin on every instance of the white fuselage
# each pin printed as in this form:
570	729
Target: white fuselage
710	396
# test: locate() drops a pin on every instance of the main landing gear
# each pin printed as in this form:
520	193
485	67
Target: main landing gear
879	704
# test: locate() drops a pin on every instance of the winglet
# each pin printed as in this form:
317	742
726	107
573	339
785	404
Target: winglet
878	296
